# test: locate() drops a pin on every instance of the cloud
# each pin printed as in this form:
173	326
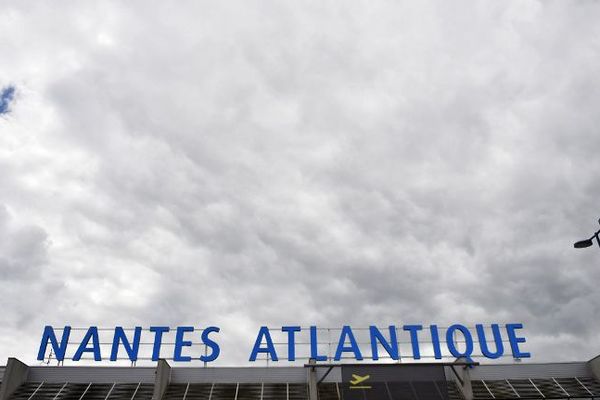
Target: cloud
272	163
23	248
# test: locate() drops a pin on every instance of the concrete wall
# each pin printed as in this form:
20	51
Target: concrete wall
15	374
162	379
594	367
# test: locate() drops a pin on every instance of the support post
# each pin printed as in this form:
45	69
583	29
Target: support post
15	375
313	393
462	377
161	380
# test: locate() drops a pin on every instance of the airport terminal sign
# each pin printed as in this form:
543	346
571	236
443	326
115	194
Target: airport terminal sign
181	343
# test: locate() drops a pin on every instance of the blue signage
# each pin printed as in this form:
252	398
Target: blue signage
459	341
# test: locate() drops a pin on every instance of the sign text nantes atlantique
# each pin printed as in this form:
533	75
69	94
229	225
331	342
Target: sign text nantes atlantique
489	341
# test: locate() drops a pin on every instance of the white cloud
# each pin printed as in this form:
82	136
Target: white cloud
250	163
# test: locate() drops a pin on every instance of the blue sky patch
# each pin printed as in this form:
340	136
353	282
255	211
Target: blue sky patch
6	96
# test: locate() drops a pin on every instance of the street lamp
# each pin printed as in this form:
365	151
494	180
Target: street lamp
582	244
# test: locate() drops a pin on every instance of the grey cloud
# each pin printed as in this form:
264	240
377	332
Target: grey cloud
23	248
267	163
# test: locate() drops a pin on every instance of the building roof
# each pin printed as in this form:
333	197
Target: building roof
456	382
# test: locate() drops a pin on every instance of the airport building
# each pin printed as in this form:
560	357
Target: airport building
460	380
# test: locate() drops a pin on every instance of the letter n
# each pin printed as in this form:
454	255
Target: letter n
59	351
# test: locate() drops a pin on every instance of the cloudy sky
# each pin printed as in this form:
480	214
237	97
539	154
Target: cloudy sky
254	162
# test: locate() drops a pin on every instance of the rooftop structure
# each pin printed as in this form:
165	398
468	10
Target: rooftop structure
439	381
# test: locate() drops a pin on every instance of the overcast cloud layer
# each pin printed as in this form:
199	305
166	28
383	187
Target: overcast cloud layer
249	163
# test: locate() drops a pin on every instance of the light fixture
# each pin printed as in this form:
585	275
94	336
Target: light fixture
582	244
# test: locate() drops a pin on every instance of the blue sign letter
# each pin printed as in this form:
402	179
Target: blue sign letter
485	350
270	349
391	347
158	332
180	343
92	334
291	330
468	342
347	331
435	341
414	339
59	351
514	340
214	346
131	349
314	346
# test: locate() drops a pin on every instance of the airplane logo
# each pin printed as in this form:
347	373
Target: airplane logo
357	379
